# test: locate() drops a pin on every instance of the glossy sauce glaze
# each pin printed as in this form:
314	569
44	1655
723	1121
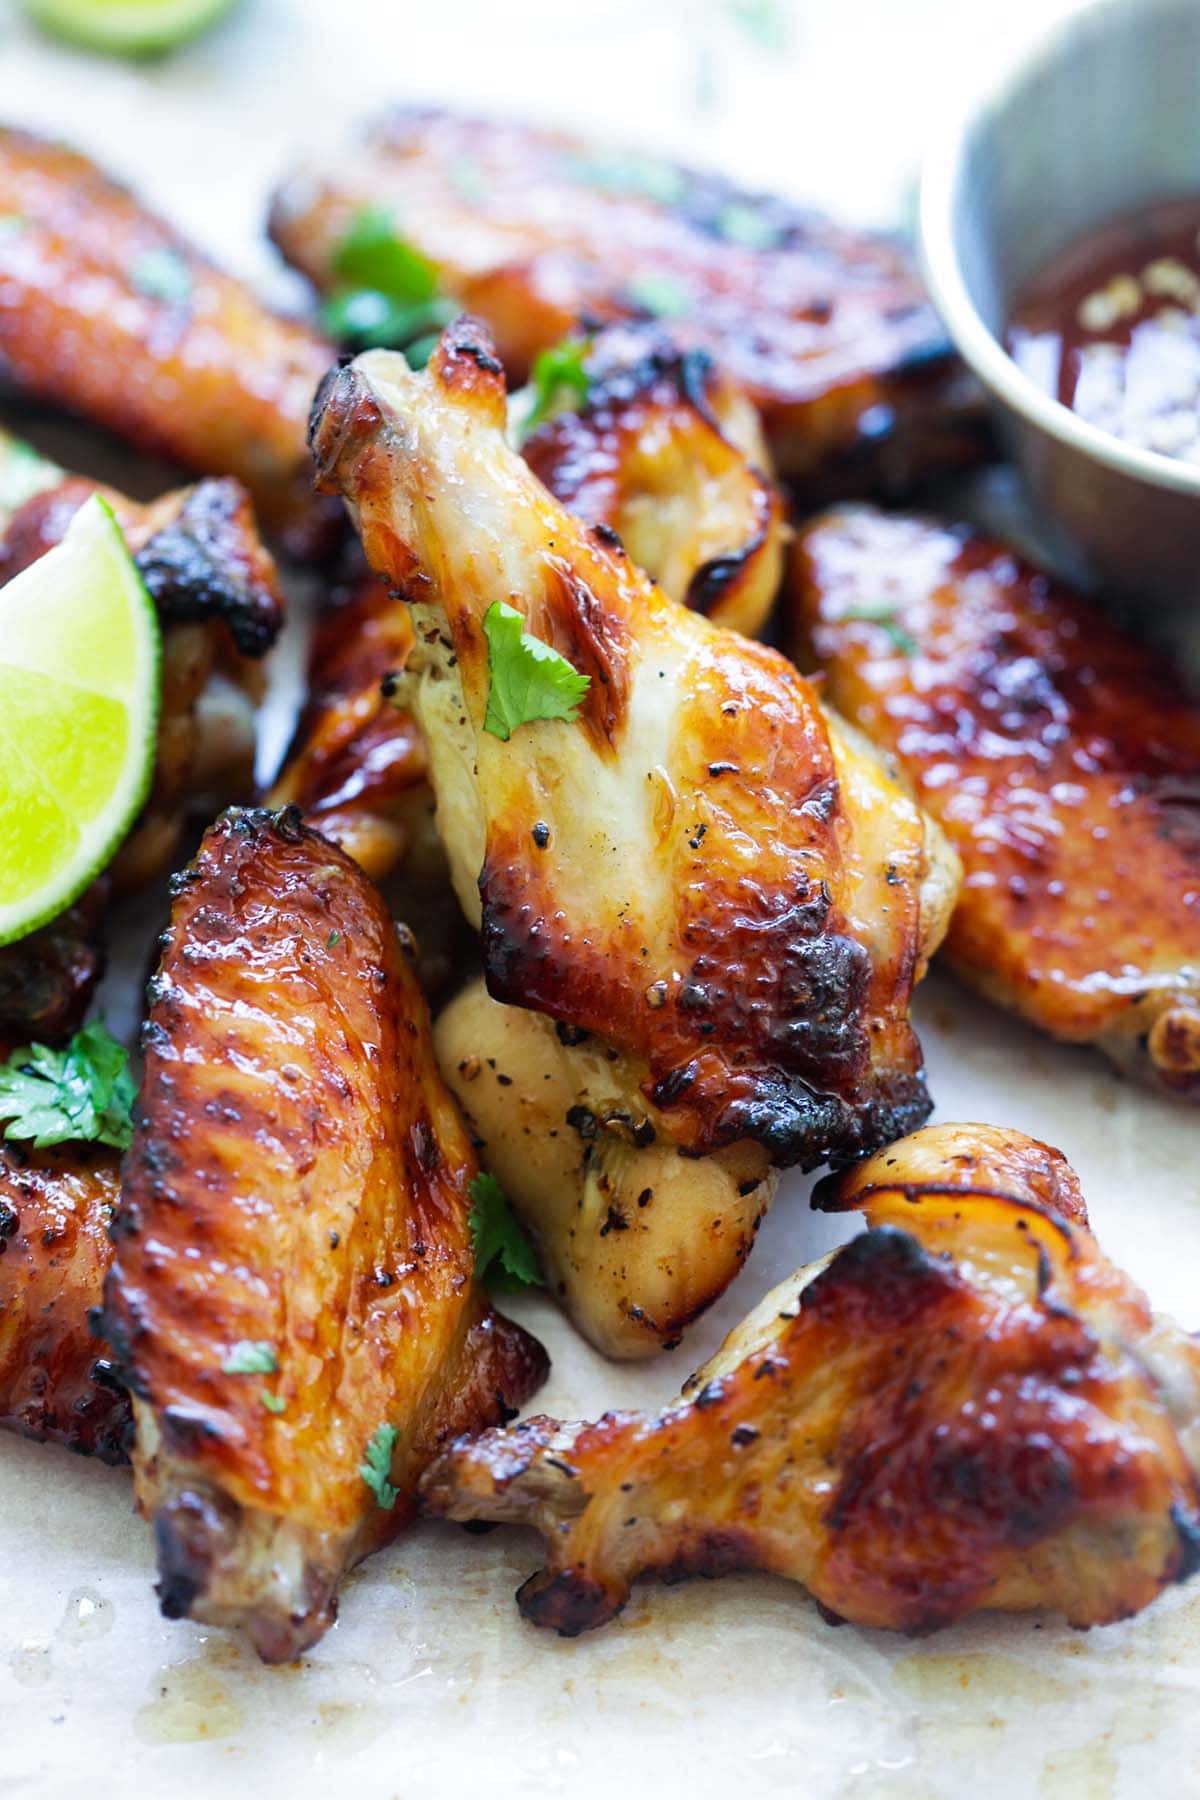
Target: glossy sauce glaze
1111	328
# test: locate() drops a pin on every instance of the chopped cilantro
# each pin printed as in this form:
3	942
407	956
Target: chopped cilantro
333	938
743	224
274	1403
883	614
250	1358
503	1254
660	295
527	680
378	1466
559	383
162	274
83	1093
387	291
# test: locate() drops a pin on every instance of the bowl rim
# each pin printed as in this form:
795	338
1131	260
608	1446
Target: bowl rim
978	345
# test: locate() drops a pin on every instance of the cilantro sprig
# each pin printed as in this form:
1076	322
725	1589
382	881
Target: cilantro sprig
387	292
527	680
83	1093
503	1254
377	1467
558	383
250	1358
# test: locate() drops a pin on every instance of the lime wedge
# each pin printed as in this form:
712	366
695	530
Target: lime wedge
127	27
79	685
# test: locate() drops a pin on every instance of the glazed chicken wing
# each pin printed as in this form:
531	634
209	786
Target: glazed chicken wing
56	1380
667	452
966	1407
715	885
1062	762
828	330
218	599
106	310
292	1297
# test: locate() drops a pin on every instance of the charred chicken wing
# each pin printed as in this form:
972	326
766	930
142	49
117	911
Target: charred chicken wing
56	1379
292	1301
702	875
966	1407
106	310
1062	762
828	330
219	603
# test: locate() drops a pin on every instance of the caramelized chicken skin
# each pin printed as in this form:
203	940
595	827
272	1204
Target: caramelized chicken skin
56	1380
106	310
701	872
966	1407
298	1185
669	453
219	603
1063	763
828	330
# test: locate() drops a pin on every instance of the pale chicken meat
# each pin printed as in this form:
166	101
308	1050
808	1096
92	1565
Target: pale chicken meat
703	875
966	1408
292	1302
1061	758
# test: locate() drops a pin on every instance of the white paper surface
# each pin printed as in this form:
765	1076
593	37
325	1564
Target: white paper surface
430	1683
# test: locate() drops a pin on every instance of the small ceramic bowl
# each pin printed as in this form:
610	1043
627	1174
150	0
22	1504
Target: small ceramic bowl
1099	117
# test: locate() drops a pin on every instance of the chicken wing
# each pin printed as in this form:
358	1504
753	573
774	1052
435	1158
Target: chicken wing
292	1296
106	310
966	1407
56	1380
720	889
218	598
669	453
1062	761
828	330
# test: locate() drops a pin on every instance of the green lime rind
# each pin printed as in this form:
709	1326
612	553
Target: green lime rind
80	678
127	27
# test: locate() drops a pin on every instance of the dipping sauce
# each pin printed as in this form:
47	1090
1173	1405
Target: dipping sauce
1111	327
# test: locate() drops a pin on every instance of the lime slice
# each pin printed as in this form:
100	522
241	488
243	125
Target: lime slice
79	684
127	27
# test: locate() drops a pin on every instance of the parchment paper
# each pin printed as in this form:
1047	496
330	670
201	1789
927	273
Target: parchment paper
430	1684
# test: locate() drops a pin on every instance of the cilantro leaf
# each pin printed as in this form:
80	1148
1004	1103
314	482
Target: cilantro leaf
274	1403
659	295
378	1466
250	1358
526	679
83	1093
503	1254
387	292
162	274
559	383
883	614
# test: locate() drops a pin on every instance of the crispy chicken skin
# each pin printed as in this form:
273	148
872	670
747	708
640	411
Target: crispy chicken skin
217	593
106	310
667	452
1063	763
56	1379
298	1180
967	1407
828	330
701	872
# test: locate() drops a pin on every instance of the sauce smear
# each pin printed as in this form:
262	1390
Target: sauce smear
1111	327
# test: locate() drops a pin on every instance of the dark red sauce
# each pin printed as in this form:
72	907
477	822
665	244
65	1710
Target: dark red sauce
1111	327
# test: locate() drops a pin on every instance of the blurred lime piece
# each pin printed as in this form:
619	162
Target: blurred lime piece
127	27
79	696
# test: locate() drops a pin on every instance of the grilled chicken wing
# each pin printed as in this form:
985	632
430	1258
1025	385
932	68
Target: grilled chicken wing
218	598
296	1190
667	452
702	874
106	310
1061	761
966	1407
56	1380
828	330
